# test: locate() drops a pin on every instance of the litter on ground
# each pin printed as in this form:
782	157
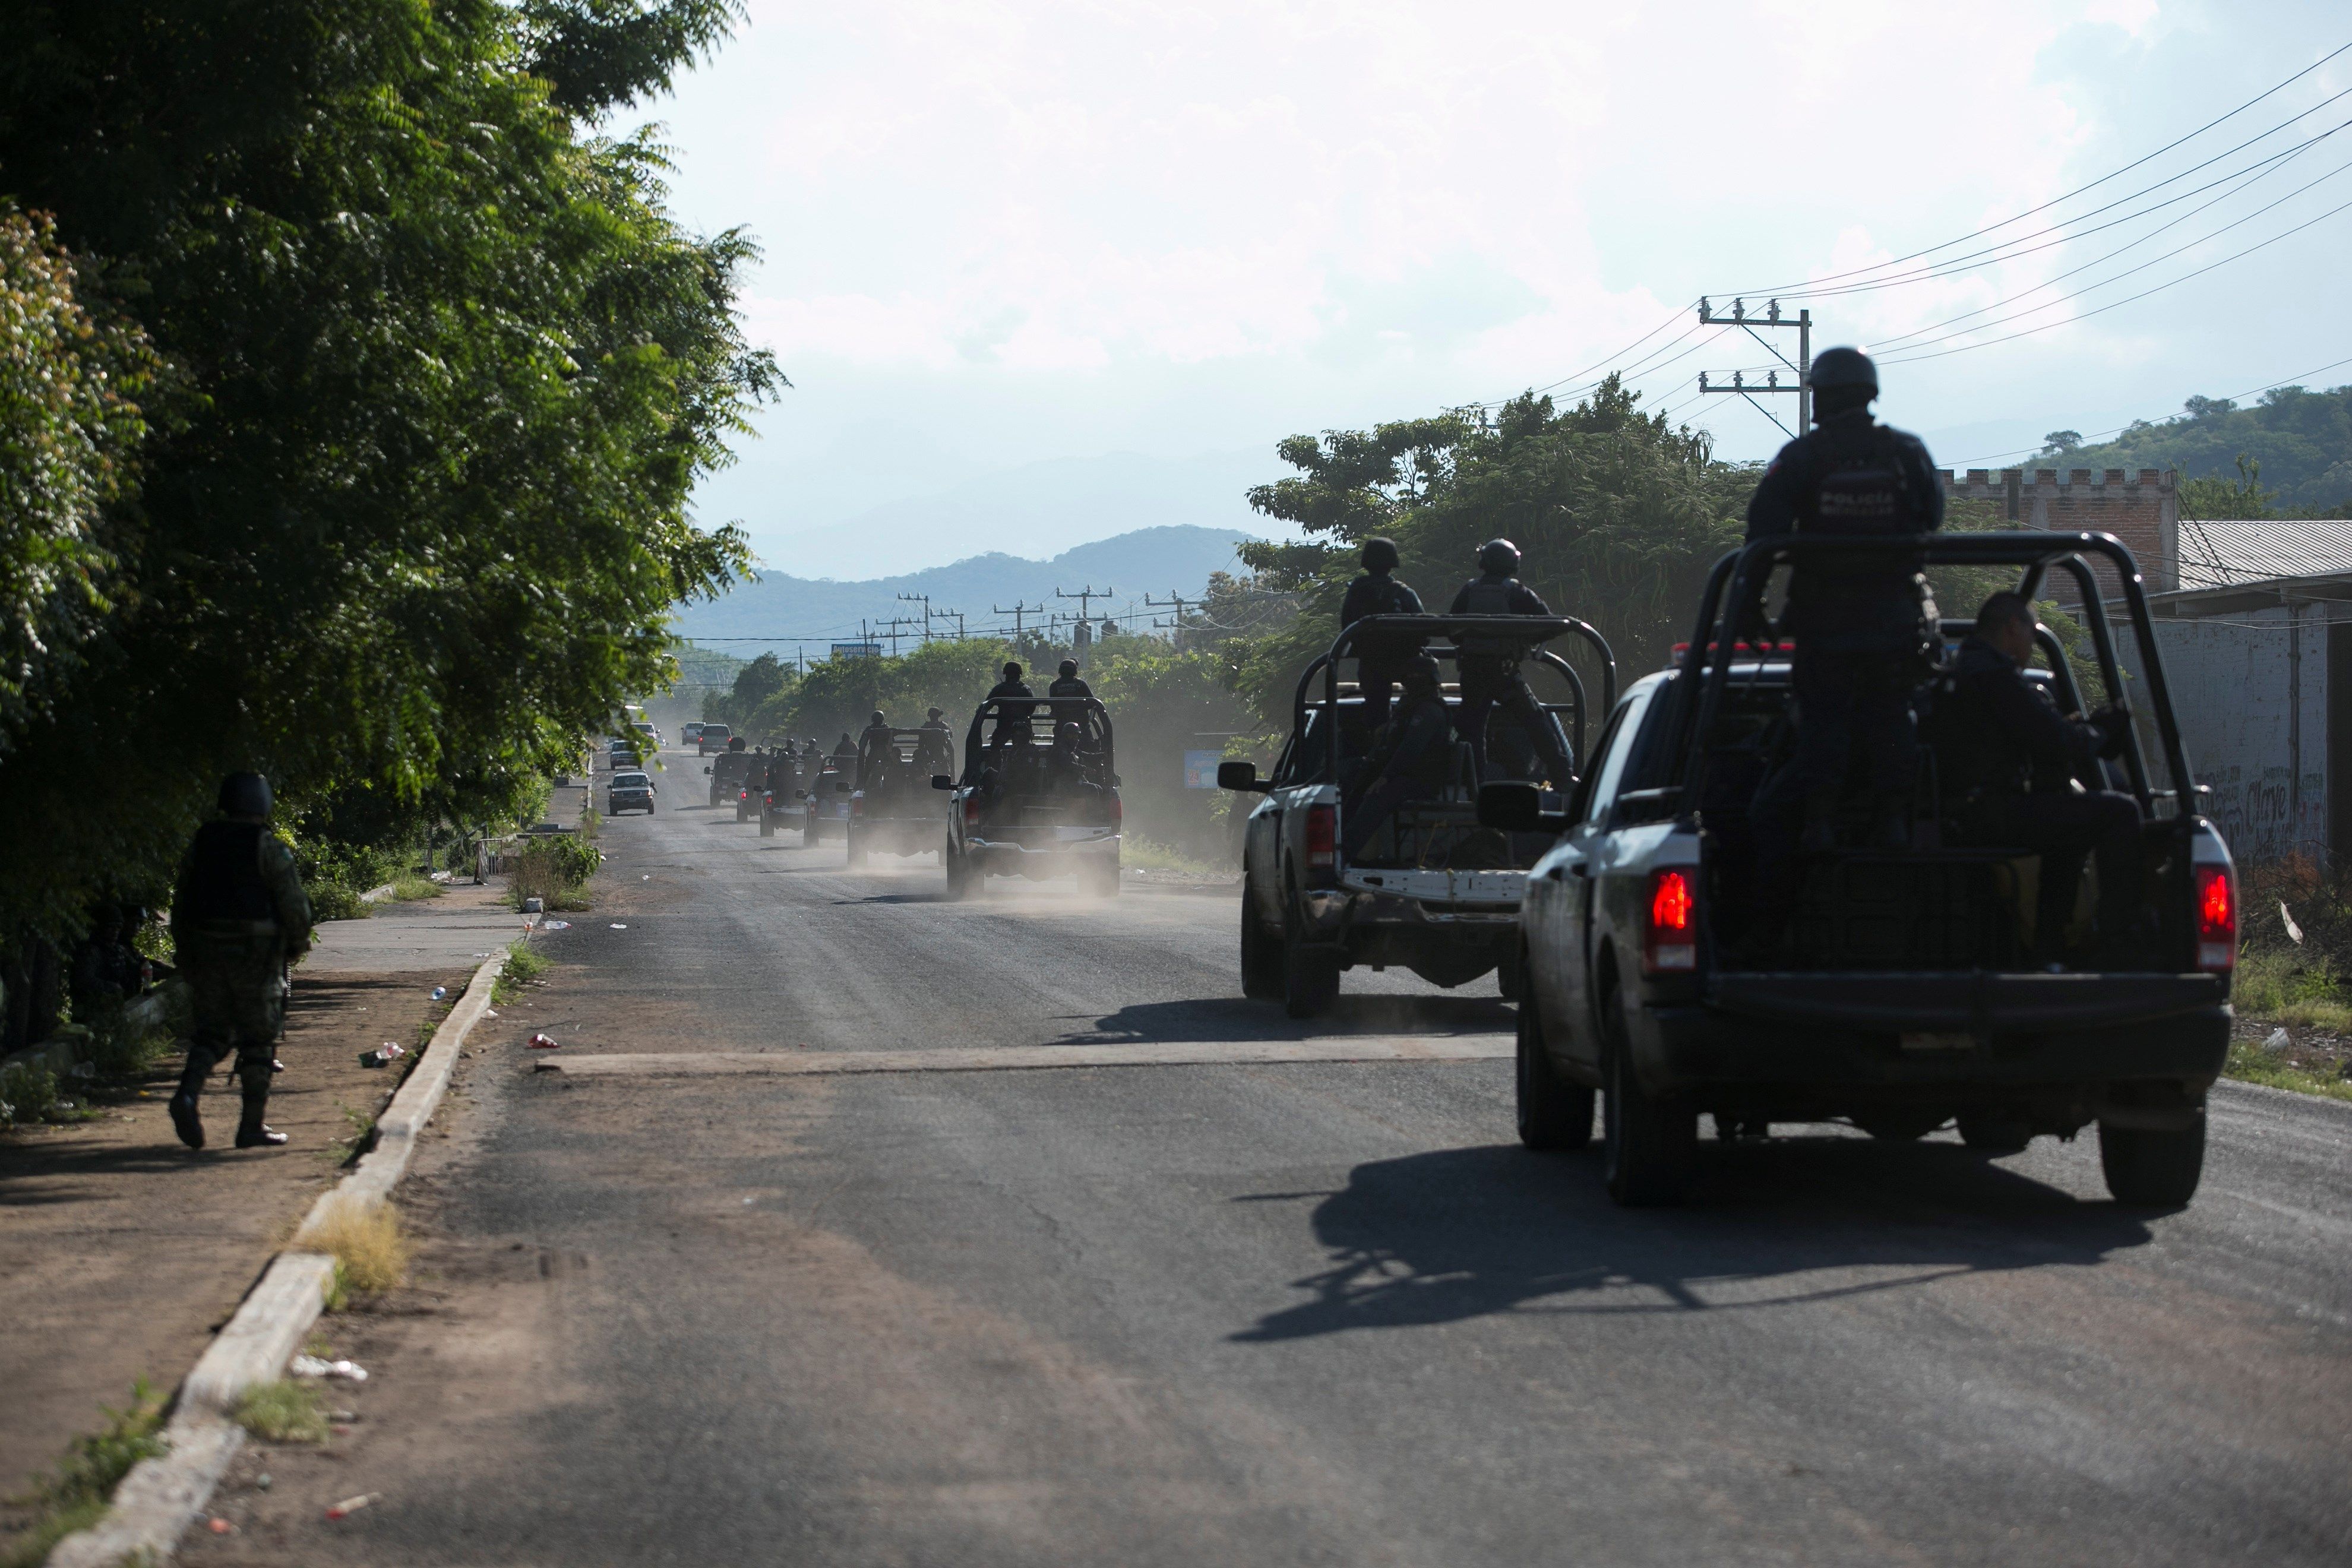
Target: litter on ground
618	926
542	1043
315	1366
353	1504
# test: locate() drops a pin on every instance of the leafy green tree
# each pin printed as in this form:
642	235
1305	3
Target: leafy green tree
2301	438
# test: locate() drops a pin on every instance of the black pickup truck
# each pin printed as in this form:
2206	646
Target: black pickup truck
1900	996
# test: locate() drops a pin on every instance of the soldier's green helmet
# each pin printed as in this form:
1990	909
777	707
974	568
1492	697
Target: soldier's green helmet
243	795
1498	555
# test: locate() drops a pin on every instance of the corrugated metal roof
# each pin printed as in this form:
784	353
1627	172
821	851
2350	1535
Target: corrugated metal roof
2225	554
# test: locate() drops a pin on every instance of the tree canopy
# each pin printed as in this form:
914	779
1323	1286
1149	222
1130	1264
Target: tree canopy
2298	439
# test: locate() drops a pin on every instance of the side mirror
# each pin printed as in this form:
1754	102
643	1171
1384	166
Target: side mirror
942	781
1512	807
706	770
1240	776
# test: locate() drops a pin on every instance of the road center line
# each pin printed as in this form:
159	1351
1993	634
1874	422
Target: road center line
1005	1058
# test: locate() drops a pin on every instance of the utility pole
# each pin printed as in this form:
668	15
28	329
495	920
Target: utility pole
1801	375
1083	596
1017	612
924	600
1174	598
958	621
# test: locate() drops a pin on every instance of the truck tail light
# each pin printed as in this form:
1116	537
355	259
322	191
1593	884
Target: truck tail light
971	811
856	805
1118	812
2217	920
1322	838
1672	942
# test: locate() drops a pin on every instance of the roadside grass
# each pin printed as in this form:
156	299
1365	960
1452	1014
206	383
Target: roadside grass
1144	855
409	886
371	1249
285	1411
344	1150
2287	987
522	966
339	901
2250	1063
2293	977
74	1494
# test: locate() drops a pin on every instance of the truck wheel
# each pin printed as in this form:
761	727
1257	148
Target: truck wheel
1650	1143
1262	959
1990	1133
856	852
2153	1169
1103	883
1554	1113
1311	980
1507	976
767	825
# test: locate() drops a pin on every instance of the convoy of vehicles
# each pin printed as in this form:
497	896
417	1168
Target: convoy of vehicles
893	810
1432	890
1898	997
1655	974
1038	796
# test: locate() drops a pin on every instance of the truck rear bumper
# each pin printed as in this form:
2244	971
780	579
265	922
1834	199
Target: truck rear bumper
1696	1048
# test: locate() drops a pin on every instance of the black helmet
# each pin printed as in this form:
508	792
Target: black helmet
932	712
878	718
735	744
1380	555
1500	556
1837	369
1422	670
243	795
1012	671
1066	732
1069	667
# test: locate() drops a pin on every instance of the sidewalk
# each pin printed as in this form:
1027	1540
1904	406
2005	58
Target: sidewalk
123	1251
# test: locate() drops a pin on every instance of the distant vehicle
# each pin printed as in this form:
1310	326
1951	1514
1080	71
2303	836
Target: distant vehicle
727	775
824	797
629	792
778	794
1019	809
620	754
1898	994
713	738
1431	890
893	810
652	736
690	733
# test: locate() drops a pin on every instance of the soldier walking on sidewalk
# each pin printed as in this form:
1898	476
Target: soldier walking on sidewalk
239	918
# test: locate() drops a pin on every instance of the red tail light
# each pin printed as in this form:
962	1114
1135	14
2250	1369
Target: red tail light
1322	838
856	805
971	811
1118	812
1672	942
2217	920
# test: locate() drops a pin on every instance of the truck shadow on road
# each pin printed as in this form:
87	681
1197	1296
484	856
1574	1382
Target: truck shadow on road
1466	1233
1237	1019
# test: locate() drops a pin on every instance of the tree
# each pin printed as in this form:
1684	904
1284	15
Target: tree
2058	443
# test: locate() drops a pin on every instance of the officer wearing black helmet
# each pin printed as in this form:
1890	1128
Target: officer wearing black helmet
1379	662
1489	664
1071	688
1411	760
1861	624
239	918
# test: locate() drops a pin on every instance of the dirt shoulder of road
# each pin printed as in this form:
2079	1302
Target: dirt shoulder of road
125	1251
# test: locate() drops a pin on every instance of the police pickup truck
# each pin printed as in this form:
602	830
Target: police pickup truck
893	809
1028	805
1431	890
1890	988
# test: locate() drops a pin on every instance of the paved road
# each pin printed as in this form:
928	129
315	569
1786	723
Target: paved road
1272	1313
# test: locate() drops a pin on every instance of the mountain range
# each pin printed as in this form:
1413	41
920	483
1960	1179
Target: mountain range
784	611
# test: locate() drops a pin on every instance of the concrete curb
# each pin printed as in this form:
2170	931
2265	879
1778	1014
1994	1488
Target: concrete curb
161	1497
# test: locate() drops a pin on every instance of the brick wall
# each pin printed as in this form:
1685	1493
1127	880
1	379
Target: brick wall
2141	510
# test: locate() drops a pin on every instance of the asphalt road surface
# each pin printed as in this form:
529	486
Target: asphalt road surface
1268	1312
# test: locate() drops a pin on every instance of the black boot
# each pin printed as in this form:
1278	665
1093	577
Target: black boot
252	1132
189	1125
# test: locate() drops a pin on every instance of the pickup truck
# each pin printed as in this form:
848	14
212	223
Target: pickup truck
824	797
1898	996
1432	890
727	776
893	810
1018	810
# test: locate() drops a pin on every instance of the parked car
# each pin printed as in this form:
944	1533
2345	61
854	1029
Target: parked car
1431	890
629	791
1898	994
1020	809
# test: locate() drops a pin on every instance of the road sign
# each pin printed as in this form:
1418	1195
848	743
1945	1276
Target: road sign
1200	769
858	651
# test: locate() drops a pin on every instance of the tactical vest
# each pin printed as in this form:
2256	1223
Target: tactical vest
1488	596
1857	485
224	879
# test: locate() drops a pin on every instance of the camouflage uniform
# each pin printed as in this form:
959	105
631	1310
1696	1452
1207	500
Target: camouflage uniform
238	916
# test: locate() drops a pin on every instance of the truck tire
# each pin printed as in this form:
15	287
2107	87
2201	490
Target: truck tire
1311	980
767	825
1650	1145
2149	1168
1990	1133
1103	883
1507	974
857	851
1261	961
959	874
1554	1113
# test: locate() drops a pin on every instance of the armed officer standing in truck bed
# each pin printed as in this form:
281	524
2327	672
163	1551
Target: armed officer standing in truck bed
1861	622
1489	664
1381	661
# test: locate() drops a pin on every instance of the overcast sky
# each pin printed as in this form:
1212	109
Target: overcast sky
1002	233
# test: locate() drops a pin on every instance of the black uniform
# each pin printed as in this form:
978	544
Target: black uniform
1379	662
1859	624
2006	760
1413	760
1067	687
1490	675
238	916
1012	722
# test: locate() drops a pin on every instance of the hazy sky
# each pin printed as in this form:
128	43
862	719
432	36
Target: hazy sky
1001	233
